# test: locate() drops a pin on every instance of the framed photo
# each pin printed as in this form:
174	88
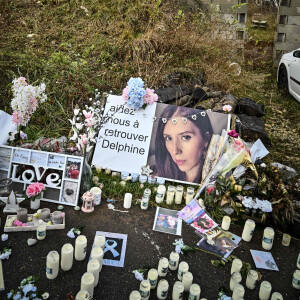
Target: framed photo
72	168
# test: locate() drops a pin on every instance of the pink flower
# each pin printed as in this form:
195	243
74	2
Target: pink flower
35	189
150	96
227	108
233	133
18	223
125	94
23	135
88	117
30	191
22	80
209	189
84	139
238	145
17	118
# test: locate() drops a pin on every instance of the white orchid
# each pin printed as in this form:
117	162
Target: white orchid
73	122
76	111
79	126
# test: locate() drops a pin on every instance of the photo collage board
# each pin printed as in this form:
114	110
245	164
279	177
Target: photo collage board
60	173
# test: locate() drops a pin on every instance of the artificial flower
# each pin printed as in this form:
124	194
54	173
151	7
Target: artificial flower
227	108
17	118
125	94
209	189
76	111
233	133
71	234
139	276
23	135
150	96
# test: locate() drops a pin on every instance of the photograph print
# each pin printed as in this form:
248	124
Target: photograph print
73	168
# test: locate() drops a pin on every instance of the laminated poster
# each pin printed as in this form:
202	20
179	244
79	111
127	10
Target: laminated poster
264	260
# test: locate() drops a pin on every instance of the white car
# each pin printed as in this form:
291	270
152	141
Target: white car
288	73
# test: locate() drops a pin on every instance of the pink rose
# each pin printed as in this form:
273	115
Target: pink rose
209	189
30	191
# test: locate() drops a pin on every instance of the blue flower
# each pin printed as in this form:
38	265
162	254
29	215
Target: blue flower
17	296
135	82
28	288
9	295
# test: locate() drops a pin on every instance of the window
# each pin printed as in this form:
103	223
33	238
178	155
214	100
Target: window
283	19
242	18
280	37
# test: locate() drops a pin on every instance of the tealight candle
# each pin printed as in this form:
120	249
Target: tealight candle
80	247
187	280
67	252
22	215
94	268
97	253
276	296
183	268
162	289
248	230
87	283
235	279
238	292
296	280
189	195
144	289
226	223
97	193
127	200
251	280
163	267
57	217
298	261
100	241
135	295
236	266
161	190
268	238
82	295
173	261
265	290
170	194
178	289
45	214
178	194
152	277
143	178
194	292
286	239
52	265
134	176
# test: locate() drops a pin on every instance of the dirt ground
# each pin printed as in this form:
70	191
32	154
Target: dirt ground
144	248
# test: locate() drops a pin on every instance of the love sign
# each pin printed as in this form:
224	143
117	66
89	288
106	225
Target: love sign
60	173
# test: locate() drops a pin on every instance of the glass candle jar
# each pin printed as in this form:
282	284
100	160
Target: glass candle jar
178	289
183	268
135	295
251	280
189	195
178	194
52	265
162	289
127	200
57	217
22	215
173	261
87	283
268	238
235	279
152	277
144	203
276	296
265	290
143	178
100	241
248	230
163	267
161	190
236	266
80	247
145	289
170	194
45	214
187	280
194	292
226	223
296	280
94	268
286	239
238	292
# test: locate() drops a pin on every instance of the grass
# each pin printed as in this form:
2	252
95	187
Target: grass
75	47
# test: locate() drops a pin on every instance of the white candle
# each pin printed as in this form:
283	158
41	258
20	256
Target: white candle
251	280
80	247
152	277
235	279
97	193
226	223
178	289
194	292
173	261
67	253
189	195
238	292
145	199
2	287
52	265
187	280
135	295
298	261
170	194
97	253
161	190
163	267
41	230
87	283
94	268
100	241
286	239
82	295
265	290
236	266
162	289
127	200
268	238
276	296
296	280
248	230
183	268
178	194
144	289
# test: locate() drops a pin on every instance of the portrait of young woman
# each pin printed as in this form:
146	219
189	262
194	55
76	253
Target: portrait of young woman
180	140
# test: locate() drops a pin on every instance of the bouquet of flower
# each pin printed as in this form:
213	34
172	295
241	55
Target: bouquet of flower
136	95
34	190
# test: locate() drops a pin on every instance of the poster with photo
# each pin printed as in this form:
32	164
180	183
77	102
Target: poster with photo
72	168
166	220
264	260
172	140
190	212
203	223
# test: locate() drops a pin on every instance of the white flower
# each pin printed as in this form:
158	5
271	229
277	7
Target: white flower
76	111
72	121
75	136
79	126
139	276
71	234
179	246
248	202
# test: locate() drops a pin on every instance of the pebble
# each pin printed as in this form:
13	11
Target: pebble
76	208
31	242
4	237
60	207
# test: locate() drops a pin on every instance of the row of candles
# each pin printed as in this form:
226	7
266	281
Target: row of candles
89	279
184	283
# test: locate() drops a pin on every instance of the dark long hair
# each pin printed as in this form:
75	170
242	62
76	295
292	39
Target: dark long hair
165	165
